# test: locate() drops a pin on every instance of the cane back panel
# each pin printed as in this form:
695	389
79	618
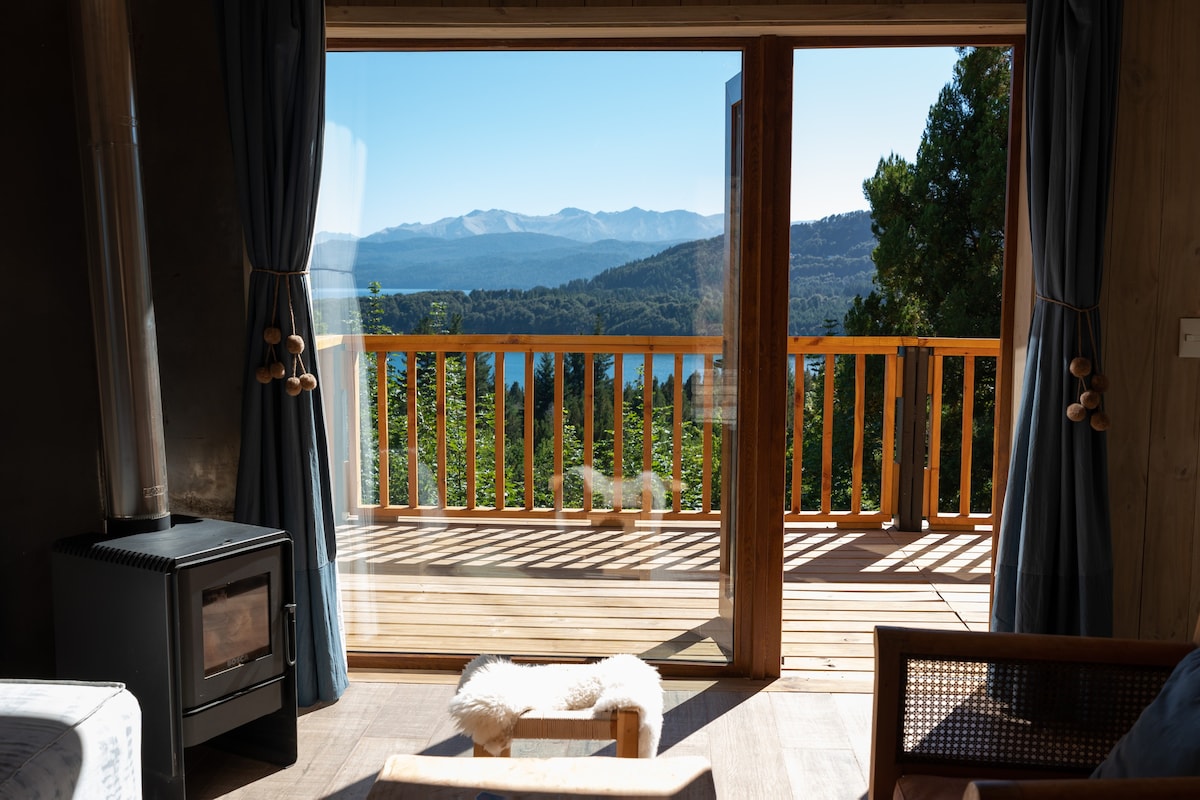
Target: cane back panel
1033	714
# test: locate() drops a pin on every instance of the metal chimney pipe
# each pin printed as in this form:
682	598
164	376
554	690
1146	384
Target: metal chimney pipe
134	455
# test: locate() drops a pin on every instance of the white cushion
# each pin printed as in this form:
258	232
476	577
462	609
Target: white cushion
63	739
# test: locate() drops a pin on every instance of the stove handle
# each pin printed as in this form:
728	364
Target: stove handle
290	608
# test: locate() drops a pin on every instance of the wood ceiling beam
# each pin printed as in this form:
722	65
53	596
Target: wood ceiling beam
351	25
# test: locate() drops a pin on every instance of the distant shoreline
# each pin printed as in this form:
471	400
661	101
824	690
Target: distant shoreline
339	292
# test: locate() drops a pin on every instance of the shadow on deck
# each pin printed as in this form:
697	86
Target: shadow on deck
463	587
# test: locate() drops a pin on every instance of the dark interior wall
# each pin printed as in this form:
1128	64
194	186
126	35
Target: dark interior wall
50	480
195	244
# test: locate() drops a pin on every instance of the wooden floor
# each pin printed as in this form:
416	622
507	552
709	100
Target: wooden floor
445	586
764	744
462	587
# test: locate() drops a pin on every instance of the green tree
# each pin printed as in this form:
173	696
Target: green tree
939	222
370	317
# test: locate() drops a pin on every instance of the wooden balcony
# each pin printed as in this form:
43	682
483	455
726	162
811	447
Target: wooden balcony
573	590
630	557
419	451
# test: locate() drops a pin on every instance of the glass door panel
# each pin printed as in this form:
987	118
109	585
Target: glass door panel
521	272
735	130
898	201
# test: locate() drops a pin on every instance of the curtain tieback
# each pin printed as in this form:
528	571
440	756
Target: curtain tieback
278	271
273	367
1092	382
1076	309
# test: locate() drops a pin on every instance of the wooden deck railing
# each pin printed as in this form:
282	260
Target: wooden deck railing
851	420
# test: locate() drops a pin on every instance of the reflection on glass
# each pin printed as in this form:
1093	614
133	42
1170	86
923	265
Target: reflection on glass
236	619
526	362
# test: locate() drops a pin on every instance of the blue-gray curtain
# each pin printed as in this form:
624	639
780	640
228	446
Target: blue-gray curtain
274	66
1054	559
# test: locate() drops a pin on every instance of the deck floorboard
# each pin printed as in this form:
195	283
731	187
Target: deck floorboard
455	587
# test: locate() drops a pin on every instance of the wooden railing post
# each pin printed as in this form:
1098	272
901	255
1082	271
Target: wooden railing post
910	454
905	435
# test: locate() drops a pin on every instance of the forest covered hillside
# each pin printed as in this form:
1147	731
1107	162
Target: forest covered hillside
675	292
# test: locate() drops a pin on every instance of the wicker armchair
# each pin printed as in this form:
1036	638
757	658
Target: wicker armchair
1003	715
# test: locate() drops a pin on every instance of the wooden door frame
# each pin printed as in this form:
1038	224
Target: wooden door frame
762	324
762	348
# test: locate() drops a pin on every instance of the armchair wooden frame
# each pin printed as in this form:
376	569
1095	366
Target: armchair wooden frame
925	678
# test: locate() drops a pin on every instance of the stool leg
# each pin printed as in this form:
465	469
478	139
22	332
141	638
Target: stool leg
628	722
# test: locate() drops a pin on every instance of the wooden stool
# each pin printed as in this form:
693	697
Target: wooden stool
442	777
620	725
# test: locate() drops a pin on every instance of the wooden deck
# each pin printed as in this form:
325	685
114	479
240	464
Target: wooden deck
462	587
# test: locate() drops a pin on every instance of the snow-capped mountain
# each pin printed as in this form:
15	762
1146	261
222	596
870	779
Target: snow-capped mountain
632	225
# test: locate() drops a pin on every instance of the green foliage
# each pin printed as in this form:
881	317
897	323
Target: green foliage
677	292
926	260
939	263
940	220
546	417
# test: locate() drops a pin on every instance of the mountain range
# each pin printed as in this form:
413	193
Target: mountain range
505	250
632	225
674	292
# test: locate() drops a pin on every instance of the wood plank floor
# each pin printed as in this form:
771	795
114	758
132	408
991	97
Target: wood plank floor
454	587
762	742
569	590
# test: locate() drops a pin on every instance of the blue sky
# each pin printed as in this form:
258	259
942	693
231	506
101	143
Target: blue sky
415	137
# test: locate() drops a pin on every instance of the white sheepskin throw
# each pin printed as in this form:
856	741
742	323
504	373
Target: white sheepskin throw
493	693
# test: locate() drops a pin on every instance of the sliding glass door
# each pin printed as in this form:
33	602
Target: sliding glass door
527	271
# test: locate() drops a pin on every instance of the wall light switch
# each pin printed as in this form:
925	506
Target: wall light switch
1189	338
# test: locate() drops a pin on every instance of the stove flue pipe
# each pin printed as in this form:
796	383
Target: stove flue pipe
133	450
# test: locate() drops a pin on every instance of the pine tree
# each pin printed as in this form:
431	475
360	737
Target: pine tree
939	222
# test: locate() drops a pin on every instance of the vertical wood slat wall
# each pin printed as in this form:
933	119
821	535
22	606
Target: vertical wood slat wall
1152	279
